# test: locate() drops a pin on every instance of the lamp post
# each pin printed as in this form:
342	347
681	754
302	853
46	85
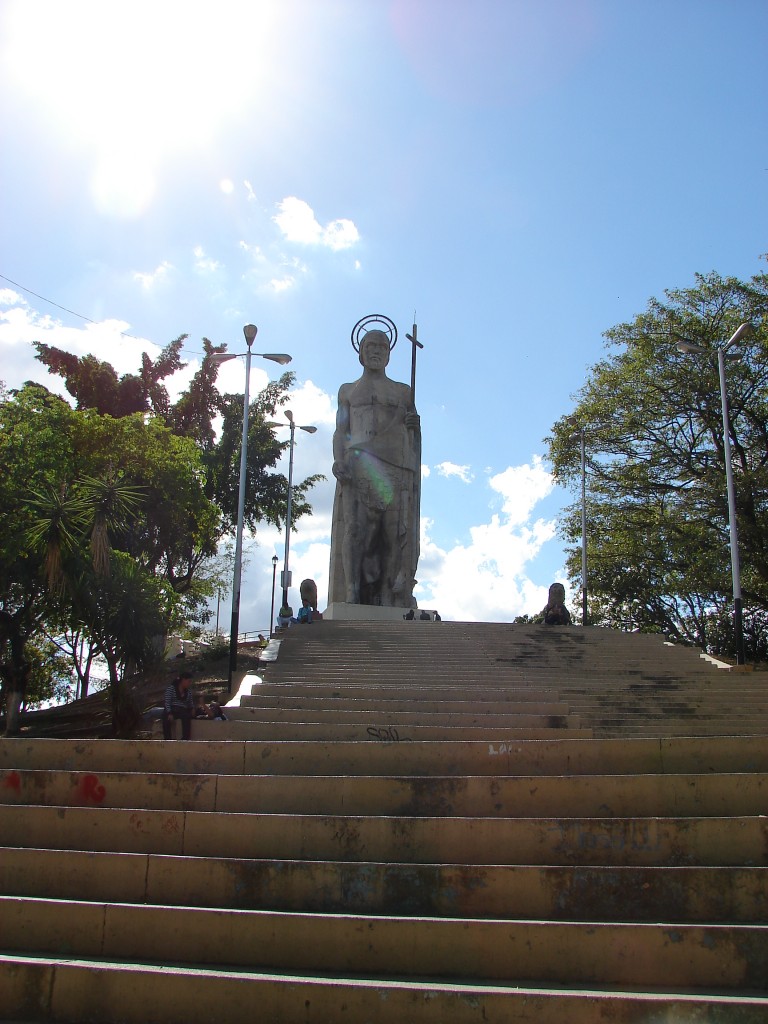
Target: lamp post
580	434
272	609
286	581
689	348
583	530
222	357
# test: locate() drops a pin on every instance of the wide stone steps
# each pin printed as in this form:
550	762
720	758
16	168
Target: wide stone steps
612	683
376	728
53	989
352	846
516	891
280	706
561	756
586	953
612	796
478	840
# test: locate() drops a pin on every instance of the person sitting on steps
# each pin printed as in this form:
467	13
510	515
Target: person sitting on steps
178	704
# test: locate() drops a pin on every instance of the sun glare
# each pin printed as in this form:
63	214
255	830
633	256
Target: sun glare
145	78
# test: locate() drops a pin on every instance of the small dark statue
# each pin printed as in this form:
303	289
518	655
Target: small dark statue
555	613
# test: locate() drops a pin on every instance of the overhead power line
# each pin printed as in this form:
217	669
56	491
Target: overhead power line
81	316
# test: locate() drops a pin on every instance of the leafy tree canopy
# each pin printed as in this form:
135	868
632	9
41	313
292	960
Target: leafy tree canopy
657	512
78	490
194	415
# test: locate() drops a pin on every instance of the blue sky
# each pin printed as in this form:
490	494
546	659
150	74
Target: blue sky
522	175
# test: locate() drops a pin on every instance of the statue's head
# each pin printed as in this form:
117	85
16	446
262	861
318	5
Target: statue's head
374	349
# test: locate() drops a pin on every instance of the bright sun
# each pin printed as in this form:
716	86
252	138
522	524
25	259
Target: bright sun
135	81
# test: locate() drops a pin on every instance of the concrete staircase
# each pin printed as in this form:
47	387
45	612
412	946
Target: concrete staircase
601	682
335	862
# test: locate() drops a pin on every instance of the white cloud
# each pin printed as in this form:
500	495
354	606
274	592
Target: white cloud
204	263
340	234
449	469
20	326
297	222
254	251
521	488
148	279
486	579
282	284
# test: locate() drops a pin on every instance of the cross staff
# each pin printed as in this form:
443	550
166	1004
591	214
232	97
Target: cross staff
415	343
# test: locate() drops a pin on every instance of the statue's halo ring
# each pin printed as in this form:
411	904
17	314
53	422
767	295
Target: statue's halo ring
374	322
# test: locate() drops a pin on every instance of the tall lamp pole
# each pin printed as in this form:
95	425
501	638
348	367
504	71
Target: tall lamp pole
249	331
583	530
286	581
272	609
688	348
580	434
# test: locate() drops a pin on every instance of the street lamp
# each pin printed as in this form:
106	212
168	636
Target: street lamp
217	358
689	348
580	434
286	582
272	609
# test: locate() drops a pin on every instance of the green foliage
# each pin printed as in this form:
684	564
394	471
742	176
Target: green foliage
657	509
50	675
80	493
96	386
115	509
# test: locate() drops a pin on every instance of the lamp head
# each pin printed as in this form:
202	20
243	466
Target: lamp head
274	560
309	430
289	415
250	333
689	348
742	331
277	357
221	357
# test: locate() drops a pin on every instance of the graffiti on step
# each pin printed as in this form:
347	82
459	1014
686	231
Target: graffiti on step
616	836
90	790
385	734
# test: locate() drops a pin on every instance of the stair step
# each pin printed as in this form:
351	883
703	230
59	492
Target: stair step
539	892
586	953
618	841
80	991
606	796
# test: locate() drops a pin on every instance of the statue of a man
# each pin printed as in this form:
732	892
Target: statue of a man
377	465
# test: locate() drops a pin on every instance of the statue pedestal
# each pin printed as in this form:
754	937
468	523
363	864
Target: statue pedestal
369	613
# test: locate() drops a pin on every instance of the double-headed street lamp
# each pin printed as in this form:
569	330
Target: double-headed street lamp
222	357
286	580
689	348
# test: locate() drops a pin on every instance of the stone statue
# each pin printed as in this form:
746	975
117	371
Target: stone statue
308	591
377	465
555	613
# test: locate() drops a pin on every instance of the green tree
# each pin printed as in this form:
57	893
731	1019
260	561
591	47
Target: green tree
96	386
34	453
657	513
78	489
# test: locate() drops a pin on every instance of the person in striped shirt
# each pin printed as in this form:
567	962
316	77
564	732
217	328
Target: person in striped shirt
178	703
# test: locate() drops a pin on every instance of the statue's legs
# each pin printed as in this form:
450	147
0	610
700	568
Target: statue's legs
392	578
